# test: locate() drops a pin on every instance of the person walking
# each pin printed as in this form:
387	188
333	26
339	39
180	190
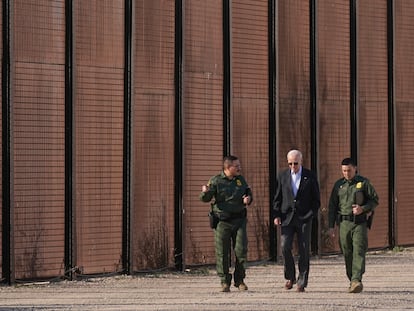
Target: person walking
353	199
296	202
230	195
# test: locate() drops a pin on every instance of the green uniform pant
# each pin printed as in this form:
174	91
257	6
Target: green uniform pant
226	233
353	239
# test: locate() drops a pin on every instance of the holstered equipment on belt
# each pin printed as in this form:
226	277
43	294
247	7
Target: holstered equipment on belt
225	216
360	200
357	219
213	218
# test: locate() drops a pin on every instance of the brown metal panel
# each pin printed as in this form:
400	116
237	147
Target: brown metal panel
152	242
333	102
293	87
203	120
99	32
404	132
39	31
373	109
250	111
153	176
38	142
293	79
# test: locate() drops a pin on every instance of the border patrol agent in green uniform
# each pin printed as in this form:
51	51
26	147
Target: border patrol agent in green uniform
353	200
230	194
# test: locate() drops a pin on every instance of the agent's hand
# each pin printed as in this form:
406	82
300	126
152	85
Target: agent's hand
204	188
332	232
357	209
246	199
277	221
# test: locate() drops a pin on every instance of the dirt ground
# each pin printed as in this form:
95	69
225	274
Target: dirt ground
388	285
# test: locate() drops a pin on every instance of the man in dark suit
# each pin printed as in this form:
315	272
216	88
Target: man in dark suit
296	202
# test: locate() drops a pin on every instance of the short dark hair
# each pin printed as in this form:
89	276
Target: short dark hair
230	158
348	161
228	161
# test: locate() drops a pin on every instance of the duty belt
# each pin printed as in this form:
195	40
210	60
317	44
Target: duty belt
347	217
230	216
358	219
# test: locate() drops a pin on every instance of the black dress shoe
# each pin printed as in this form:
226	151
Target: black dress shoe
289	284
300	289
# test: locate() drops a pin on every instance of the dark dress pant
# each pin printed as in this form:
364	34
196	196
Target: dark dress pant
303	232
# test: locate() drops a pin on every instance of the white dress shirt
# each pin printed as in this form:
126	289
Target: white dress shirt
295	180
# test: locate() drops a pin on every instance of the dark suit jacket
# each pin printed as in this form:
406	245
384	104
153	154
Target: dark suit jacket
306	203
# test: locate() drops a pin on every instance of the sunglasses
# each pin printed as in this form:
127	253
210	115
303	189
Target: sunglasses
293	163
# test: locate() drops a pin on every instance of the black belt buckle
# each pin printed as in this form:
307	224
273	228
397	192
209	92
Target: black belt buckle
347	217
357	219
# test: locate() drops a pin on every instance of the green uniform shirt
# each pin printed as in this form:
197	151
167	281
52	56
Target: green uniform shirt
227	194
344	194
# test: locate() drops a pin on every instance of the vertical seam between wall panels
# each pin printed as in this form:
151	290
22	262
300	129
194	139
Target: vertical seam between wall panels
391	126
313	87
226	78
316	234
126	210
354	79
178	137
272	123
69	223
7	175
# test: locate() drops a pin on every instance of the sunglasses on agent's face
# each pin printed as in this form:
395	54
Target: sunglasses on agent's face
293	163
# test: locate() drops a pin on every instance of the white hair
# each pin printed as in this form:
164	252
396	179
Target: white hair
294	153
